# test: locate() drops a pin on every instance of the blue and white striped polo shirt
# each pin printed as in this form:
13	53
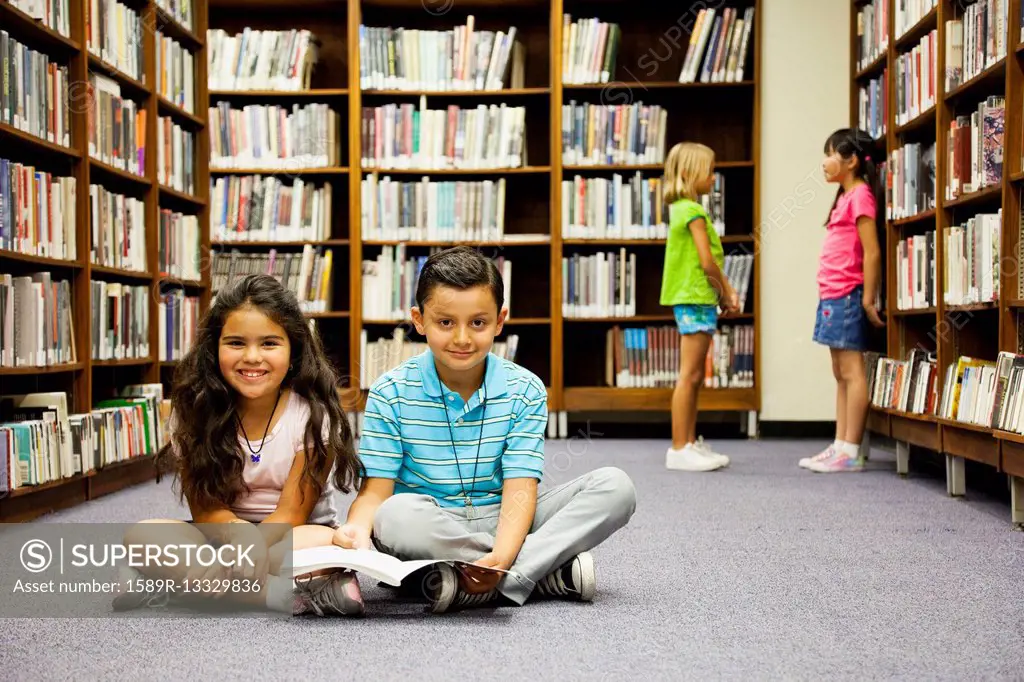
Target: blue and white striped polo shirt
406	433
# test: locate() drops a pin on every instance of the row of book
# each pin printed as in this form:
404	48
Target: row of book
910	182
975	41
972	260
36	327
910	12
178	238
175	73
613	208
406	136
120	320
179	10
599	285
117	127
41	441
117	224
179	319
37	212
872	32
175	156
382	355
915	272
432	210
389	283
34	92
648	357
873	106
916	81
600	134
739	270
722	39
259	208
53	14
975	148
589	50
273	137
115	33
462	58
260	60
972	390
309	274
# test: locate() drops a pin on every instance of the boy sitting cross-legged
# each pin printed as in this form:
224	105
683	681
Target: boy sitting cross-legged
453	445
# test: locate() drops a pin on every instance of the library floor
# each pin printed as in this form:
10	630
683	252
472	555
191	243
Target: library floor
759	571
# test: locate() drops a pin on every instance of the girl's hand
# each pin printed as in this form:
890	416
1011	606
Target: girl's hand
872	312
731	301
351	536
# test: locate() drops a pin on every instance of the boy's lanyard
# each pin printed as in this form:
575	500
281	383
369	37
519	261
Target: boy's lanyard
480	439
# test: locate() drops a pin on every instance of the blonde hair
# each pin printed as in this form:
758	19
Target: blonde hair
687	164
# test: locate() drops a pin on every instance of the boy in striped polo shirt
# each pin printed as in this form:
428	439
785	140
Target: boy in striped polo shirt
453	445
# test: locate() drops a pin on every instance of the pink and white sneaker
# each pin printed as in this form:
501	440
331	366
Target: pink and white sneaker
820	457
838	463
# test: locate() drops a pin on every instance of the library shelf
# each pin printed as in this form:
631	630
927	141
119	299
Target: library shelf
121	273
878	421
193	201
655	85
875	67
921	217
170	280
521	170
274	244
312	93
187	120
917	31
509	92
35	34
612	319
293	172
918	122
169	363
49	485
969	441
1011	446
124	362
982	195
1009	436
1015	303
972	307
616	242
911	312
509	321
131	87
1017	177
48	369
45	261
118	475
991	80
169	26
622	167
474	242
916	429
12	134
136	182
329	314
603	398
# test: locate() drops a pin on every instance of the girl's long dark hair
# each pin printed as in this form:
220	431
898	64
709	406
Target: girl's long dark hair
205	451
850	142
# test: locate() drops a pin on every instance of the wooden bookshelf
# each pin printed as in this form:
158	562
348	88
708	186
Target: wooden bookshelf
976	330
87	381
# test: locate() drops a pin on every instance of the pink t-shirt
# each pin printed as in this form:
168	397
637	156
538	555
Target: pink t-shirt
841	268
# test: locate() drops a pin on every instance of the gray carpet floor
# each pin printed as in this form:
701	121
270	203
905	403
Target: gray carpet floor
761	571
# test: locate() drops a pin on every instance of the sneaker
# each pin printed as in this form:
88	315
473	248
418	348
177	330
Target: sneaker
837	463
575	580
706	450
820	457
333	594
446	594
690	459
130	598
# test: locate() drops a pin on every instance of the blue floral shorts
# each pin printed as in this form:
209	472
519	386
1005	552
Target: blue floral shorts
696	319
841	322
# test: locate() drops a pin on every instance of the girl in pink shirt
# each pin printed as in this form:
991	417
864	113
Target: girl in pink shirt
849	276
259	445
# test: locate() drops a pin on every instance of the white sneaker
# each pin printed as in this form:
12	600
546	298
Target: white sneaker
131	596
690	459
706	450
575	580
809	462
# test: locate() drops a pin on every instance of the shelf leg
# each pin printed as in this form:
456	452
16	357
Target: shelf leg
902	458
563	424
955	482
865	447
552	425
1017	502
752	424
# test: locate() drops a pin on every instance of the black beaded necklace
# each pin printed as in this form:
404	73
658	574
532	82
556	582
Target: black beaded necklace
254	455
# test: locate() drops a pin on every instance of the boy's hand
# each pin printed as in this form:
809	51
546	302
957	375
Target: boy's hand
477	581
872	312
351	536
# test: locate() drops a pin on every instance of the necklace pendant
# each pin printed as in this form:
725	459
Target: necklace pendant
255	459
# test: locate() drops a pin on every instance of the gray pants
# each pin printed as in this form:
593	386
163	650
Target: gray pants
569	519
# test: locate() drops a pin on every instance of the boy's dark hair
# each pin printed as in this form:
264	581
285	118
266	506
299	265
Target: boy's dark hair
204	450
849	142
460	267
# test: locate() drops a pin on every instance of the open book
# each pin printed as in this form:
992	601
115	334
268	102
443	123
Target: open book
383	567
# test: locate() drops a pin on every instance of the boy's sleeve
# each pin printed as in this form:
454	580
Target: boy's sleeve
380	445
863	204
524	452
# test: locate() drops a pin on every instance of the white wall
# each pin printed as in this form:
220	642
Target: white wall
804	97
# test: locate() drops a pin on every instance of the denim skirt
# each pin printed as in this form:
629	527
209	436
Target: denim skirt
841	322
